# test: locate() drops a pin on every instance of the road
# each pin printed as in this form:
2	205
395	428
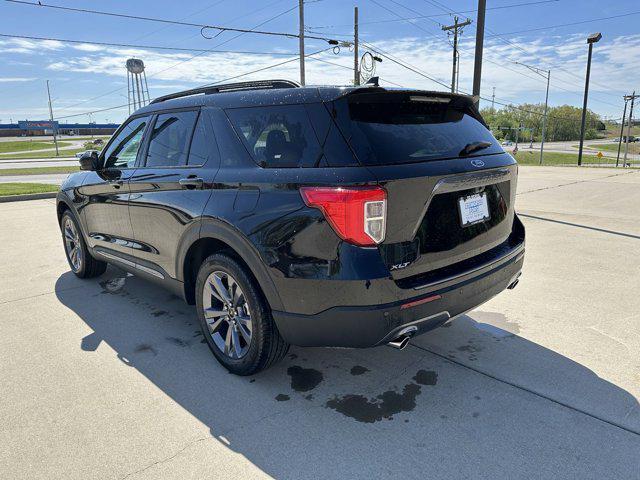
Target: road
38	163
108	378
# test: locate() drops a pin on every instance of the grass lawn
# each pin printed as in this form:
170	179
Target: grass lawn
37	171
556	158
25	188
29	146
613	147
52	155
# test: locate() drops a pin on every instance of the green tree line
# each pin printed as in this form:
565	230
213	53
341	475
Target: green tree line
563	122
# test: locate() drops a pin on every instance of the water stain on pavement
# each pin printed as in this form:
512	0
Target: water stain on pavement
281	397
358	370
495	324
426	377
304	379
145	348
113	286
385	405
178	341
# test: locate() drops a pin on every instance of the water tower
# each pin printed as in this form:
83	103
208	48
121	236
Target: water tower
138	89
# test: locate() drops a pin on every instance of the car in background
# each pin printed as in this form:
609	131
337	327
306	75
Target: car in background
506	143
87	152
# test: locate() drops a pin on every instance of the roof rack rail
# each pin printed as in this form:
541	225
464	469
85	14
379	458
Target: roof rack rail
230	87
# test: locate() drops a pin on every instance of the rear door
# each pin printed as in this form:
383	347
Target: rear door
450	186
171	186
106	192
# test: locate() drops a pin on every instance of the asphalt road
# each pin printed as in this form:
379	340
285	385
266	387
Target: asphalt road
108	378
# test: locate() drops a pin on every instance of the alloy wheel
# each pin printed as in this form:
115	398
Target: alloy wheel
72	244
227	314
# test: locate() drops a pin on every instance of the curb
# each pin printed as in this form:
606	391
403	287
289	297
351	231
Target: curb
30	196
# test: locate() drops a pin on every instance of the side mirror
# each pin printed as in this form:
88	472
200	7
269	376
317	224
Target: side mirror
89	161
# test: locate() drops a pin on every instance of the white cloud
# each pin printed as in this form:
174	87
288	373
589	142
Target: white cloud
16	79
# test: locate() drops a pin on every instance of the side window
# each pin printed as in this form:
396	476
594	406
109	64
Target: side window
277	136
204	148
122	152
170	138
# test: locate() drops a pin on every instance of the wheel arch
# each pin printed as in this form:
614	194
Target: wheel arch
215	236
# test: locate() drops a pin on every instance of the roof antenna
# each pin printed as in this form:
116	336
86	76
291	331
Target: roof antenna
373	81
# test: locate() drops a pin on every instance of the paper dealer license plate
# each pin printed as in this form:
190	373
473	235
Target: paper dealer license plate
473	209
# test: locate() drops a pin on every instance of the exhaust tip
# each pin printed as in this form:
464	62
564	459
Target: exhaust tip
513	285
400	343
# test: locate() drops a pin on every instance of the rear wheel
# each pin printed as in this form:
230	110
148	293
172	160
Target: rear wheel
235	318
75	248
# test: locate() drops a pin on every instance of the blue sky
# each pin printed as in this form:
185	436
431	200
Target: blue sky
87	77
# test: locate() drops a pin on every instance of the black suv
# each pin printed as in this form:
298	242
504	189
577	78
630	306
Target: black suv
313	216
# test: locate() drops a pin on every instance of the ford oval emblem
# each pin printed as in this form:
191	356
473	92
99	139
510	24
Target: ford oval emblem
477	163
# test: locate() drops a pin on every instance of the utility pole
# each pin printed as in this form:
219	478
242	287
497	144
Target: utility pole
301	38
493	100
539	71
544	119
624	117
55	139
455	27
477	66
626	143
356	70
591	39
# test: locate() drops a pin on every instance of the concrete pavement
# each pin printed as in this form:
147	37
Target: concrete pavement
108	378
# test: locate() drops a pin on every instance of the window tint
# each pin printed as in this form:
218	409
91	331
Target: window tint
278	136
203	146
123	150
170	138
388	129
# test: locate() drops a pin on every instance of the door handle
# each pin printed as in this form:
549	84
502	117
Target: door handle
191	182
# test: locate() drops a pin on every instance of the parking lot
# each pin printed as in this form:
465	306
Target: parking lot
109	378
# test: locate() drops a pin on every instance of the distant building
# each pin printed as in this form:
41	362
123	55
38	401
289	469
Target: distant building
33	128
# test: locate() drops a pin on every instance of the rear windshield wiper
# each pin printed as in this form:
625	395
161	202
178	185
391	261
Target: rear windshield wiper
473	147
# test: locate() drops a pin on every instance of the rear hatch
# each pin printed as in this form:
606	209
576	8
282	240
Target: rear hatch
450	185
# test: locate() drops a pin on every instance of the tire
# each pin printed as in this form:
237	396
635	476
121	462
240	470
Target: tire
244	310
82	264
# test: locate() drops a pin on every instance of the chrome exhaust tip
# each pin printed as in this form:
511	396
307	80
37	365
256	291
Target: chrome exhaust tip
513	285
400	343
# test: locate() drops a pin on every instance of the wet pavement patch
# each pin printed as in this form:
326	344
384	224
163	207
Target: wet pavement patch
358	370
159	313
115	285
384	406
144	348
304	379
426	377
178	341
281	397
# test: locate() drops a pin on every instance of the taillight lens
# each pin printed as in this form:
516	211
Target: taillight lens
357	214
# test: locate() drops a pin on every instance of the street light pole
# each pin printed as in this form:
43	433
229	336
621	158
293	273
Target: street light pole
477	65
546	102
591	39
301	43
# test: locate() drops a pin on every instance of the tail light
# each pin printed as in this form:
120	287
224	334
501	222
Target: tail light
357	214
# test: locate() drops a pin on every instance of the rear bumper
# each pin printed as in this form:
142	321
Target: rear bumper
367	326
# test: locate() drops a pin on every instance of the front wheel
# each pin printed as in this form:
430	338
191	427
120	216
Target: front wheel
235	318
75	248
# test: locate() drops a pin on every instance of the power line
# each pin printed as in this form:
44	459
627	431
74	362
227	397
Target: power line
188	59
565	24
420	17
202	26
205	85
149	47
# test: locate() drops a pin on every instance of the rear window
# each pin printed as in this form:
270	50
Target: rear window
277	136
388	129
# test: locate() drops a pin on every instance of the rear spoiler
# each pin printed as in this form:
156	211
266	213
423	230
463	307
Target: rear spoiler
466	103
